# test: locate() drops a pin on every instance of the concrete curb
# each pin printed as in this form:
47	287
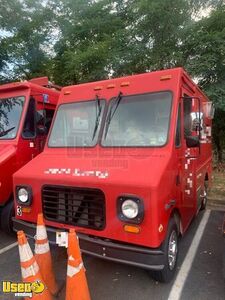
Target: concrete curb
215	203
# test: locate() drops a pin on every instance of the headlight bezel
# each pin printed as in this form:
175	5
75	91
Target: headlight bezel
30	196
140	203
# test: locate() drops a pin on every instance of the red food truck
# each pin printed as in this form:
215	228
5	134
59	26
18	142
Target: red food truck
127	163
26	111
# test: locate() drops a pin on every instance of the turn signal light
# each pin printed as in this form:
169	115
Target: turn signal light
132	229
26	209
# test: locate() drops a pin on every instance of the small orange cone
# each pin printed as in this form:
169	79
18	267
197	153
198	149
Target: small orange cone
30	270
76	284
43	256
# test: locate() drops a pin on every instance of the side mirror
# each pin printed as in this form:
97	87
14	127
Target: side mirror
196	121
209	110
192	141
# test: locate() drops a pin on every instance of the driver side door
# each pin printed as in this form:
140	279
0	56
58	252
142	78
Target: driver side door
190	156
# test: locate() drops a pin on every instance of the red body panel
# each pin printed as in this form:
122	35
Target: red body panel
156	175
15	153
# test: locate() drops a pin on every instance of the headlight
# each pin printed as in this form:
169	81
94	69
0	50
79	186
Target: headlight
130	209
24	195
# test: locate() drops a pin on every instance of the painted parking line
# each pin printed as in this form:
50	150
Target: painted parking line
7	248
177	288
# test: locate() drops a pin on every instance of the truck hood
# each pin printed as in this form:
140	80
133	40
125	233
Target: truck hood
144	169
7	151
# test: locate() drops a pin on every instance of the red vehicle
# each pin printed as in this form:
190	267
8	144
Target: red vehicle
26	111
127	163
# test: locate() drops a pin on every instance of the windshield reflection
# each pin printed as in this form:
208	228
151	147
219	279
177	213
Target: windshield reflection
10	114
77	124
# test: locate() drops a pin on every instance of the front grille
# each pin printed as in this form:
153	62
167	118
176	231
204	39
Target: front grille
83	207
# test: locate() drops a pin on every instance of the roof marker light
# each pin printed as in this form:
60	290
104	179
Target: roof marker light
125	83
98	88
67	92
165	77
111	86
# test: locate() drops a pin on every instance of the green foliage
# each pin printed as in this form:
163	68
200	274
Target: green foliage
86	48
204	58
204	49
74	41
26	24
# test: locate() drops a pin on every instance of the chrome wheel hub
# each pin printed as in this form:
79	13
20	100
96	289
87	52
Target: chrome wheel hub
172	250
205	196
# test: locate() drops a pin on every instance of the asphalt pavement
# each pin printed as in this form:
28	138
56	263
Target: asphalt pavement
112	281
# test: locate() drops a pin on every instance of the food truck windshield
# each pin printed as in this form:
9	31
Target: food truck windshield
131	121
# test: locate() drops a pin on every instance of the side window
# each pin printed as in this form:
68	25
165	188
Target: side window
29	129
44	120
178	128
49	117
187	115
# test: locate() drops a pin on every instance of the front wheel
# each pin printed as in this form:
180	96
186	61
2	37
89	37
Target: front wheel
170	249
6	217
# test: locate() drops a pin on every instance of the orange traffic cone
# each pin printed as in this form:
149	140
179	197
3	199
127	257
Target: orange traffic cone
76	284
43	256
30	270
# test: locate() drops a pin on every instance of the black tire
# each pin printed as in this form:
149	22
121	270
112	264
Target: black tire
167	274
205	197
6	217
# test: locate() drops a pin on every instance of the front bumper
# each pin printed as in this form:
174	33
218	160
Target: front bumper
143	257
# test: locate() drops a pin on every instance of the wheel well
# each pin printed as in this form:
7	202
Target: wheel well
10	198
206	181
176	216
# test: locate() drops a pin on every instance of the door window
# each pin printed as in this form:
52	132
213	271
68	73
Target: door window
187	116
178	128
29	129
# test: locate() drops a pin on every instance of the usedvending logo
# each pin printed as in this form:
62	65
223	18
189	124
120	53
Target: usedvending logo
22	289
77	172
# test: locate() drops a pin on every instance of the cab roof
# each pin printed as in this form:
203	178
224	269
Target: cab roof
26	85
169	79
34	86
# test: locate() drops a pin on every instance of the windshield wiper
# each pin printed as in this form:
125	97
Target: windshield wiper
3	133
112	112
98	114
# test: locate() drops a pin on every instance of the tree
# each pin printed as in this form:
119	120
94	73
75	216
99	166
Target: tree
98	39
27	25
204	58
85	49
74	41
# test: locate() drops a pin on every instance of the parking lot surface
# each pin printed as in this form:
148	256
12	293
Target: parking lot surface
199	269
